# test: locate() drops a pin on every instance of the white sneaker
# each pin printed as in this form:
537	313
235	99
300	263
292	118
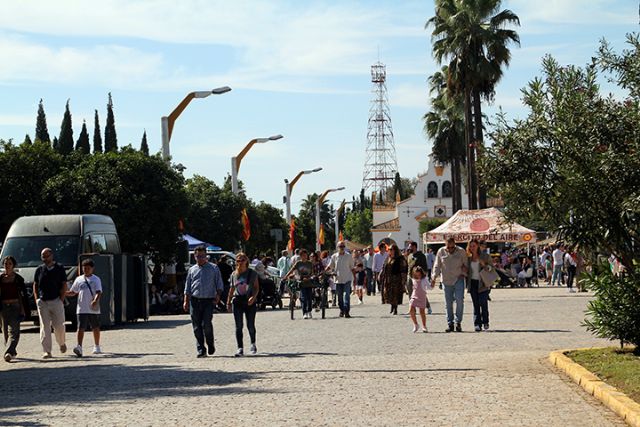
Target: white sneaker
254	349
77	350
424	330
415	328
239	353
309	315
360	302
46	355
305	316
97	349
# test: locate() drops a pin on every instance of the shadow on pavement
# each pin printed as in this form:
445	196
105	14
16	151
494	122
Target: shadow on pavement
61	385
533	331
284	355
18	415
369	371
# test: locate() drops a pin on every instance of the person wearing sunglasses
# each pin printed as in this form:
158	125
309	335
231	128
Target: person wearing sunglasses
202	291
242	299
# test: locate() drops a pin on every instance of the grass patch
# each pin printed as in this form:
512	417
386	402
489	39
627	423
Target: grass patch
619	368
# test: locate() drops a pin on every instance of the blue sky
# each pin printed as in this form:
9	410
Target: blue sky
297	68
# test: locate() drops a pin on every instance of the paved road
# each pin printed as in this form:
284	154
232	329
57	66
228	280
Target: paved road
368	370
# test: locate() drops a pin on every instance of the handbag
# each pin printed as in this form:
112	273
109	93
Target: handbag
488	275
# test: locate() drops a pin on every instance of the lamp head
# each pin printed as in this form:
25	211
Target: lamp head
275	137
221	90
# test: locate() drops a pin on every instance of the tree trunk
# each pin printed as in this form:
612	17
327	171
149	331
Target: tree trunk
468	140
479	145
457	185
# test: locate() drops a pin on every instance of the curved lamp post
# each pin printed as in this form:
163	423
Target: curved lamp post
167	122
289	188
235	161
319	203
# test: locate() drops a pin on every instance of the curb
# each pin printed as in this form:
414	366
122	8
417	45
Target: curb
611	397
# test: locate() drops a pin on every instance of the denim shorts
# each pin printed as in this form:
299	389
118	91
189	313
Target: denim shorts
88	321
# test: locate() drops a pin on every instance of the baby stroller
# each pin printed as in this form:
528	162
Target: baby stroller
268	294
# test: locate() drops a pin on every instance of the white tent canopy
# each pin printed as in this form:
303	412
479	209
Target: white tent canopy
485	224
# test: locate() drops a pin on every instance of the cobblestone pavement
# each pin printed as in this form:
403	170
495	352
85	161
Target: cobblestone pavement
368	370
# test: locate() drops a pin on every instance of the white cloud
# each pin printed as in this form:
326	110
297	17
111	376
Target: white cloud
17	120
408	95
579	12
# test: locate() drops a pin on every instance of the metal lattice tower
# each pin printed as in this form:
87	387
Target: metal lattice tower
381	165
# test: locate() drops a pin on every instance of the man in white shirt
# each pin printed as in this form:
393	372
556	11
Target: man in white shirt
342	264
368	268
283	265
378	262
558	264
572	267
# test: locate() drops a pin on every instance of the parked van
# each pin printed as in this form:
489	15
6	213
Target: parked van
68	236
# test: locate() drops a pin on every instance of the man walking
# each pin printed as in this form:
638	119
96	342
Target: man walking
451	262
368	269
342	264
202	291
49	289
431	258
378	263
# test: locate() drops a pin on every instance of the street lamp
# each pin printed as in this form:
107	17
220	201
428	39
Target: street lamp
167	122
235	161
344	202
289	187
319	203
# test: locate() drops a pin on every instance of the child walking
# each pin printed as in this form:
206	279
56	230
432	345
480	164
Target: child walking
420	283
361	281
88	287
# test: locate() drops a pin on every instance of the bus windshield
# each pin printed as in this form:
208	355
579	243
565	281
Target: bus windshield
26	250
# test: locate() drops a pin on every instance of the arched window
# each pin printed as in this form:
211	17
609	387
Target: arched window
447	189
432	190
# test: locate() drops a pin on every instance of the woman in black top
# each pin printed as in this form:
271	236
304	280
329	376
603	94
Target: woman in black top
12	296
242	298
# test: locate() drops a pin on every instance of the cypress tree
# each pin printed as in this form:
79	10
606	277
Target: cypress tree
56	144
82	144
97	137
27	140
397	184
65	145
42	133
144	147
110	138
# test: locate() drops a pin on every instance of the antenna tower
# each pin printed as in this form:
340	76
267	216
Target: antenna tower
381	165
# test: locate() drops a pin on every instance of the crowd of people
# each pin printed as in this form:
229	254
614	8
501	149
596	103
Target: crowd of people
385	271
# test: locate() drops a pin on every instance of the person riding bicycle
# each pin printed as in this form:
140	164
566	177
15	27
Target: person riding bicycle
303	270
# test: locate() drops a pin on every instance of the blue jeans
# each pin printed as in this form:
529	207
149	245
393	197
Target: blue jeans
451	292
371	287
557	273
344	296
201	310
480	304
306	299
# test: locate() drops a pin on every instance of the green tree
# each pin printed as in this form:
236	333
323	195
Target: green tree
264	217
472	37
110	137
82	145
65	141
24	171
144	147
213	212
444	125
305	236
56	144
574	162
144	196
42	133
429	224
97	137
397	187
27	140
357	226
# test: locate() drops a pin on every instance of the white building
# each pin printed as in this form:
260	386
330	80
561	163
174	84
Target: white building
399	222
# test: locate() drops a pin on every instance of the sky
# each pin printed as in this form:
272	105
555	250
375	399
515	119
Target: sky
297	68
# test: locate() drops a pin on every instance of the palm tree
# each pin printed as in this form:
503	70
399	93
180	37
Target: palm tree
473	38
444	125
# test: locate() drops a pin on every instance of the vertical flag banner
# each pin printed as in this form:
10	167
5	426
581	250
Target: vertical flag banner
292	231
246	226
321	236
340	237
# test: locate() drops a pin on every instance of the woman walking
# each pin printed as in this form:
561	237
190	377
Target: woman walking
12	295
394	276
242	298
303	270
476	287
